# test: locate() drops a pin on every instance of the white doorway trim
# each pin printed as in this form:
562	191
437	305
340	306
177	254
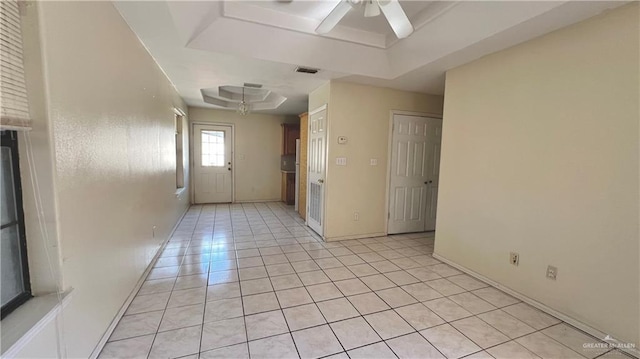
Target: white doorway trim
192	194
392	113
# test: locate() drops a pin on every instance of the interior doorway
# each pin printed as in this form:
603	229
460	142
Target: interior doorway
414	173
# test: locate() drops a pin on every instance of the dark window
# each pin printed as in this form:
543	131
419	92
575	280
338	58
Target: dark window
15	287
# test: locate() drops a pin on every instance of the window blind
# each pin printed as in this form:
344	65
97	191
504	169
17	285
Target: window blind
13	91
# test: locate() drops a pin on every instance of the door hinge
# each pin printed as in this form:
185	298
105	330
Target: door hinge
388	215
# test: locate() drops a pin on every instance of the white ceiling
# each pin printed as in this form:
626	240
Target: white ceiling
205	44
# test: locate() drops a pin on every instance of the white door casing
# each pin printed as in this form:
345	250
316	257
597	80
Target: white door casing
212	167
317	165
415	162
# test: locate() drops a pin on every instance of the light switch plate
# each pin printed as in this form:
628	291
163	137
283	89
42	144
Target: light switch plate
341	161
373	162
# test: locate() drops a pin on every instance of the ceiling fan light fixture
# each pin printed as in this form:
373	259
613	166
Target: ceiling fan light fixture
371	8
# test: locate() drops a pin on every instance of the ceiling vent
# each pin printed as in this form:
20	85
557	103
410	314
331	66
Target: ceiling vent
306	70
255	86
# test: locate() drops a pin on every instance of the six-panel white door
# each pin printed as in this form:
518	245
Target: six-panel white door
317	162
212	164
415	162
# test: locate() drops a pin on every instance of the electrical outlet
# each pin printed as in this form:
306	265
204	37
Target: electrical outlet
552	272
514	258
356	216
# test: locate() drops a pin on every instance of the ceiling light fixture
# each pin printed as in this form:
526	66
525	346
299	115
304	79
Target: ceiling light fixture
243	106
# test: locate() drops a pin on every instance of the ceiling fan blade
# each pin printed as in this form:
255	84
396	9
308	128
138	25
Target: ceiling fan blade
397	18
334	17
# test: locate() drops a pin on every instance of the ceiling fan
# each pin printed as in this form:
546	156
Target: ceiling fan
390	8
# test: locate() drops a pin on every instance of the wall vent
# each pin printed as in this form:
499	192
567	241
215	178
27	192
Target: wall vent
306	70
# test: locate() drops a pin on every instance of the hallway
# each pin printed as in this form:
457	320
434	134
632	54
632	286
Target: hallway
251	280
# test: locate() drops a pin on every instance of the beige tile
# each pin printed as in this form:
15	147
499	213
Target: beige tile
286	282
339	273
413	346
191	281
325	291
136	325
467	282
401	277
350	260
305	266
337	309
238	351
223	333
156	286
449	341
182	317
313	277
479	332
316	342
421	291
368	303
327	263
396	297
132	348
378	351
354	333
265	324
361	270
507	324
444	270
388	324
574	339
304	316
546	347
260	303
352	286
184	297
479	355
275	259
227	276
255	286
423	274
419	316
377	282
472	303
280	346
495	297
148	303
252	273
447	309
293	297
223	309
532	316
280	269
223	291
176	343
445	287
511	350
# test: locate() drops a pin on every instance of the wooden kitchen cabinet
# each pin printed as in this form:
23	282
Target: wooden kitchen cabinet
290	133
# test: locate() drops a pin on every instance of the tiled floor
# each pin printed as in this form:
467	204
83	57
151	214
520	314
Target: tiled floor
250	280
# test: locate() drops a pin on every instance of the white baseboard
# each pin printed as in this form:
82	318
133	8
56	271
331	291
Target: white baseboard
123	309
534	303
356	236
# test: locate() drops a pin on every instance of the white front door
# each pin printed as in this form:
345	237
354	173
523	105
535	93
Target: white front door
415	162
317	162
212	164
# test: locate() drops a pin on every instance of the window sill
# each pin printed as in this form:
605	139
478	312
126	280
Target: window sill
24	323
180	191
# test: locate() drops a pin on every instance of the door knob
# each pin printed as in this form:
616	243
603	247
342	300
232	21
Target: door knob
427	182
229	168
320	181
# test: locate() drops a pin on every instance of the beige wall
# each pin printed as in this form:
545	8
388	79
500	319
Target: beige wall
362	114
258	146
540	157
107	111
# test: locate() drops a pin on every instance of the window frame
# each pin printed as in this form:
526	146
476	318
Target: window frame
179	141
10	139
